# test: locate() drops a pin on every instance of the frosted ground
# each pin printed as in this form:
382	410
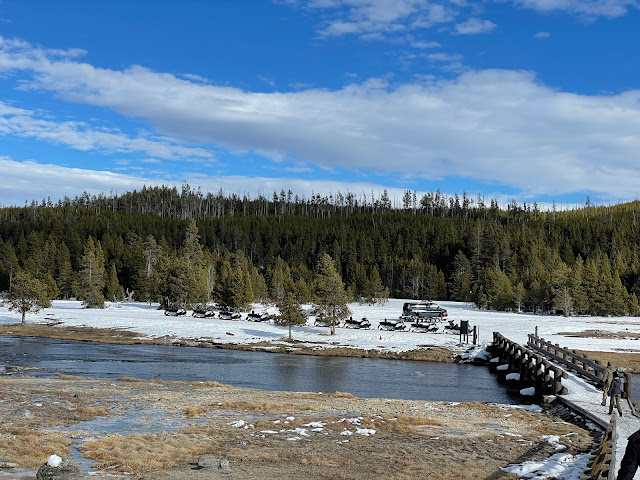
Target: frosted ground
149	321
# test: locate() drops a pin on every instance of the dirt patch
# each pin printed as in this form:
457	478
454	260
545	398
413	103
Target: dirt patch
622	335
265	434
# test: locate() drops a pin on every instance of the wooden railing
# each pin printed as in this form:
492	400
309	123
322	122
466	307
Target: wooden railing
580	364
601	465
546	377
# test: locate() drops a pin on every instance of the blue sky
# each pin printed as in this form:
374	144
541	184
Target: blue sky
530	100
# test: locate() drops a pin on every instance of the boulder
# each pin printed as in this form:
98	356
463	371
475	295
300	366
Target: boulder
65	470
209	461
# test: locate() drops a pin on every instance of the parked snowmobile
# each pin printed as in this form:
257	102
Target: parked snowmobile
174	311
423	327
392	324
321	321
229	315
452	327
362	323
258	317
201	311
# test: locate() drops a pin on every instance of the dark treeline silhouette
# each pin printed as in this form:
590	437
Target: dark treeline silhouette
580	261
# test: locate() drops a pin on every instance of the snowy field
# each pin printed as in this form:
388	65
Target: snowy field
149	321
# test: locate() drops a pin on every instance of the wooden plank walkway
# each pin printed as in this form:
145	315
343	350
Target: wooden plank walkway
585	398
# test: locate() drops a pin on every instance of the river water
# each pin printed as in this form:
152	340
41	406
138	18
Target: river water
363	377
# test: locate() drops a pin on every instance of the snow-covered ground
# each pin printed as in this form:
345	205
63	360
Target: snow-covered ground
151	322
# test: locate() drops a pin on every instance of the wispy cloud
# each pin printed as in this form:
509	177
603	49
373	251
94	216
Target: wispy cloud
590	8
84	137
542	35
474	26
492	125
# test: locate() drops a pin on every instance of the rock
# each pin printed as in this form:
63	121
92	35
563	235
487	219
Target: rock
21	412
66	470
209	461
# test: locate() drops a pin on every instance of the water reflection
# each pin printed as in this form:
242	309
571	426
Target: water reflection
364	377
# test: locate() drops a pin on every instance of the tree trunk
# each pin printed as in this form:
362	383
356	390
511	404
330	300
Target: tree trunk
290	338
23	317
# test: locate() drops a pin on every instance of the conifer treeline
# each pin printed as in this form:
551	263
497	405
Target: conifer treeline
584	260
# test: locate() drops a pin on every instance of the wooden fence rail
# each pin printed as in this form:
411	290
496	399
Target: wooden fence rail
546	377
580	364
601	465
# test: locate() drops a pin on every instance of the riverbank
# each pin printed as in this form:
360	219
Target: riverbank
629	362
616	339
157	429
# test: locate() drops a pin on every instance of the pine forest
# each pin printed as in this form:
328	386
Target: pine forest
182	246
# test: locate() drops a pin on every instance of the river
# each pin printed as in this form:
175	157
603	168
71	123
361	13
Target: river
364	377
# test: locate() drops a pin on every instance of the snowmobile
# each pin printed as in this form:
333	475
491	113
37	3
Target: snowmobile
452	327
201	311
320	321
363	323
392	324
229	315
174	311
423	327
257	317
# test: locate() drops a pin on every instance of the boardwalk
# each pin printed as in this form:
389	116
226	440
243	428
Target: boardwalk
585	397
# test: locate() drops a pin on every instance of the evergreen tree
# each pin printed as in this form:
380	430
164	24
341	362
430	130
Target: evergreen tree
51	289
291	314
91	278
499	289
561	284
28	295
577	289
113	290
64	271
519	294
329	292
375	292
460	279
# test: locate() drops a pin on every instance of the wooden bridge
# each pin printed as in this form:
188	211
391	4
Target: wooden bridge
573	379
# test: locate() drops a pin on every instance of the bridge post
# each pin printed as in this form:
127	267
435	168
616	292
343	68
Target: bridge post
627	386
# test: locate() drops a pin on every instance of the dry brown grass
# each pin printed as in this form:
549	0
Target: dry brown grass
102	335
92	412
143	453
68	377
194	410
341	395
130	379
245	406
30	448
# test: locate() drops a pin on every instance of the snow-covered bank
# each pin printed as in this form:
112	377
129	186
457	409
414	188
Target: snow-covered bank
149	321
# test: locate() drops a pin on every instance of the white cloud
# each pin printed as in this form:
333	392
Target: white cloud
374	19
424	45
474	26
492	125
81	136
27	181
542	35
590	8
